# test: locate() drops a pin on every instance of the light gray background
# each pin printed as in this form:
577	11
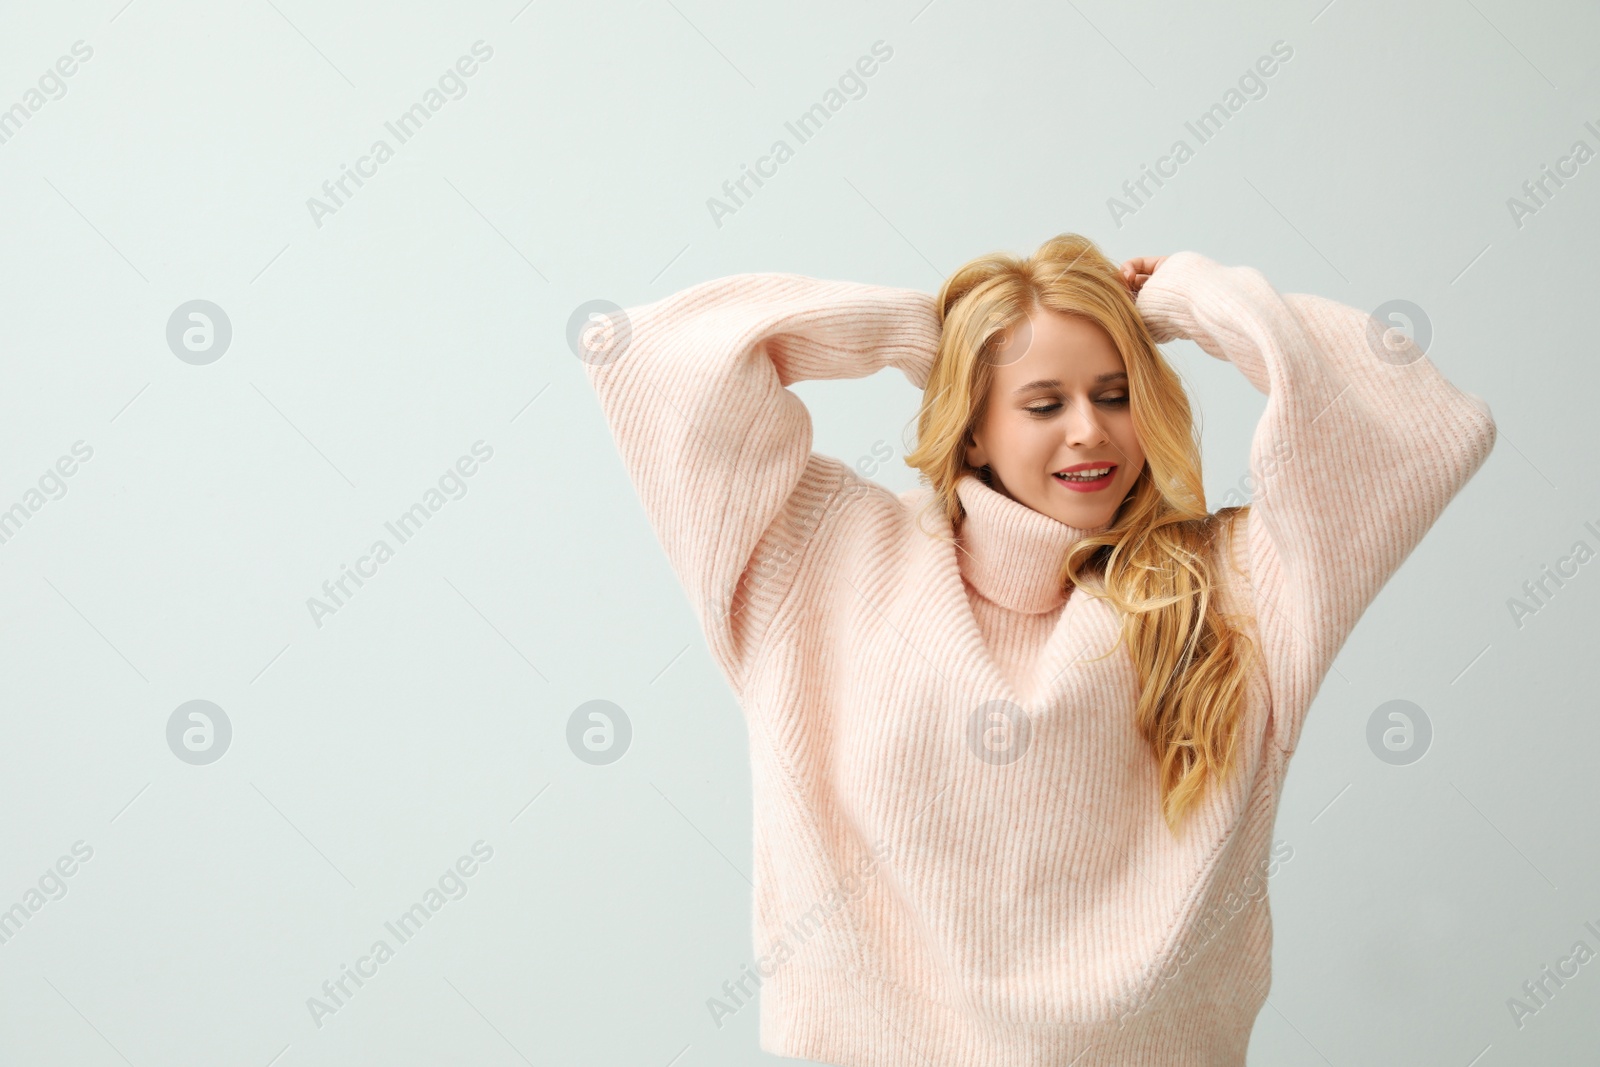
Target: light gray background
429	312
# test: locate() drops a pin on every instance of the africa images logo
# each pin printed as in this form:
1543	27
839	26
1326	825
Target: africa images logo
336	192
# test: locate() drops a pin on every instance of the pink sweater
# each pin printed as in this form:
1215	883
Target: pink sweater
935	886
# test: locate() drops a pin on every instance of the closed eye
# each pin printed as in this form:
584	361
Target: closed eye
1046	410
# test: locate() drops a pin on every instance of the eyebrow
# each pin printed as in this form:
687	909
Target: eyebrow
1052	383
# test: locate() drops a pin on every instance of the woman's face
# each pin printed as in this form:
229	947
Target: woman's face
1059	400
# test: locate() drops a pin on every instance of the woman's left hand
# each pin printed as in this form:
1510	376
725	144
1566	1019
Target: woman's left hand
1135	272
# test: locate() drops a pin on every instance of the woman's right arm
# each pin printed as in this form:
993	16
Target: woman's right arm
694	388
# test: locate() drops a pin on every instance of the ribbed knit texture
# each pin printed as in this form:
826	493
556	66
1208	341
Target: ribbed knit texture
920	901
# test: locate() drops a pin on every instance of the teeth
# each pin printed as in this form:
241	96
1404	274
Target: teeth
1086	475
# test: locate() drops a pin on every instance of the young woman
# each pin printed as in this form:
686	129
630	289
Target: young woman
1018	735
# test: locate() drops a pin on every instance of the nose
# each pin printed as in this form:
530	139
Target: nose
1082	425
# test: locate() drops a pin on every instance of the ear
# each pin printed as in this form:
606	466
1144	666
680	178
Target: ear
976	455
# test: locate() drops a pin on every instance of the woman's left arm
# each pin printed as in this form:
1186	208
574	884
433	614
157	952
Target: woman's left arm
1360	448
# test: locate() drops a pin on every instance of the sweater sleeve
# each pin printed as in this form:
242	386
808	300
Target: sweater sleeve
1358	452
694	388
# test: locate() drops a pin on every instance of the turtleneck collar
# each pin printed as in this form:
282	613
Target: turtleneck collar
1010	553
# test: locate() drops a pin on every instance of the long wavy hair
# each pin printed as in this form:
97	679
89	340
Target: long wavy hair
1154	561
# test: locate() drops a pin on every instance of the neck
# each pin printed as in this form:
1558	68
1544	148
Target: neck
1010	553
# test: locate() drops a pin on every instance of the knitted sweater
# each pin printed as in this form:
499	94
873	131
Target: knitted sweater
959	853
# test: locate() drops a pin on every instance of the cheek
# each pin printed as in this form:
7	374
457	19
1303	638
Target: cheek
1039	438
1020	436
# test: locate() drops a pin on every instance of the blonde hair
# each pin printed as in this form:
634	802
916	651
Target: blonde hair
1154	561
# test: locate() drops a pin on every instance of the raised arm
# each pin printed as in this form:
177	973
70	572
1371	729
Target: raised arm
694	387
1355	457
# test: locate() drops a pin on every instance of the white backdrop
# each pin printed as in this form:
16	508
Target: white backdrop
181	497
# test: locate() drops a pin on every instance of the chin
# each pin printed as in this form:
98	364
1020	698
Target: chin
1084	521
1048	500
1063	511
1084	518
